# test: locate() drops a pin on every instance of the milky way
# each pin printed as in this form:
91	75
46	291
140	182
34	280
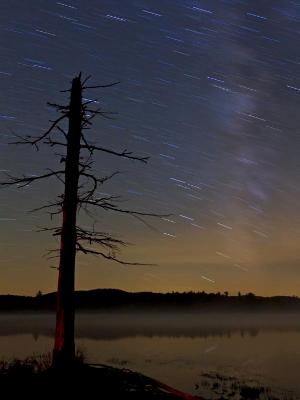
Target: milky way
210	91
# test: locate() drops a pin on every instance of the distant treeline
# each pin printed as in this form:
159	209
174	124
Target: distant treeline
113	299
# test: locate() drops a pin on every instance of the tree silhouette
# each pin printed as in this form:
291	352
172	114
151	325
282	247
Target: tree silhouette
78	195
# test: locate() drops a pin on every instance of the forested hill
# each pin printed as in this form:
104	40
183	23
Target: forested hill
119	300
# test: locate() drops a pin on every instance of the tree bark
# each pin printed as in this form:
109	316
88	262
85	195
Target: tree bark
64	346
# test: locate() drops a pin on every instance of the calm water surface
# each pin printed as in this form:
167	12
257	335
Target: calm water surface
175	349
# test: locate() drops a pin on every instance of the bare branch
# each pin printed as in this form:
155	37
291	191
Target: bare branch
107	256
53	143
89	102
86	79
99	238
58	106
56	230
47	255
104	114
113	207
124	153
101	86
149	226
96	181
46	206
34	140
26	180
62	131
86	143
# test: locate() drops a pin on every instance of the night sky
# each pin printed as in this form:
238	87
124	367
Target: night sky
210	91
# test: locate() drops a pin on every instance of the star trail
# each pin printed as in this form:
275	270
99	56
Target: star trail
210	91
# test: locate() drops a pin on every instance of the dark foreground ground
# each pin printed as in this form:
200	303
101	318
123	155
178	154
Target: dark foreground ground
31	380
21	380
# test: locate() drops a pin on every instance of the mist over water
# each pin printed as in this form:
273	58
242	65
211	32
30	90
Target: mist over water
174	348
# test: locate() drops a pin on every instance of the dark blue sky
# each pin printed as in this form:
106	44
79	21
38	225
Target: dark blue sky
210	90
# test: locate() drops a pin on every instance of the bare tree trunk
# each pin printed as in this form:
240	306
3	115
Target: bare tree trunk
74	238
64	347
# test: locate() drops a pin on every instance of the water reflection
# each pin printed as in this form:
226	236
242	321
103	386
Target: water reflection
117	326
174	348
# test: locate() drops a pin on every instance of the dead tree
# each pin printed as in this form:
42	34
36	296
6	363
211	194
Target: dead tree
78	161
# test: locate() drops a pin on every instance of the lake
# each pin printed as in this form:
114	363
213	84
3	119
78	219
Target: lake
175	349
